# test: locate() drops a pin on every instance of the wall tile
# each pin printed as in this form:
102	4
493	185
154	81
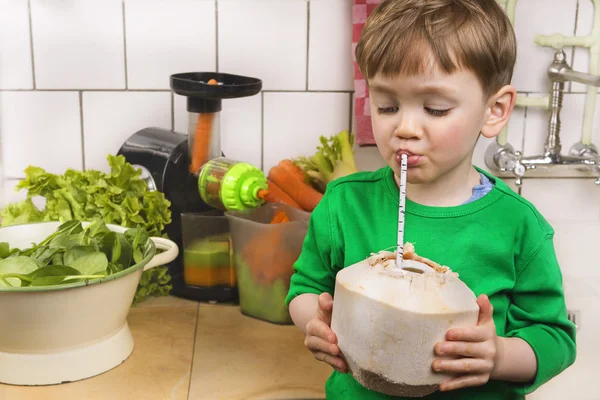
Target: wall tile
329	48
576	245
571	117
180	114
15	49
109	118
9	195
241	127
34	122
78	44
564	199
581	59
288	132
254	43
535	17
167	37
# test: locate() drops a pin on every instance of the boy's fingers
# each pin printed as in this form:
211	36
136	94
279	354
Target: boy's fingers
325	307
335	362
316	327
465	349
314	343
464	381
486	310
471	334
463	366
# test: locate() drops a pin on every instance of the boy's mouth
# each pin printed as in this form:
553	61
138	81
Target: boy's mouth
413	159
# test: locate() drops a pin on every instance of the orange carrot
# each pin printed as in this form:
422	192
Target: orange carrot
276	195
279	218
293	169
301	192
202	139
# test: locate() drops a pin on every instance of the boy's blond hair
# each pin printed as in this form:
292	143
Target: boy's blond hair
469	34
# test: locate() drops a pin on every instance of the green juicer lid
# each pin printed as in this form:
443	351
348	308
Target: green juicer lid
240	187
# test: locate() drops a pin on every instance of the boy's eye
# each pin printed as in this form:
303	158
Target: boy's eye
387	110
437	113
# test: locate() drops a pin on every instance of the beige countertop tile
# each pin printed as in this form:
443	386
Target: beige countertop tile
234	357
159	367
237	357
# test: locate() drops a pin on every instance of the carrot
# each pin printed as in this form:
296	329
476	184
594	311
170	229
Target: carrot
293	169
276	195
301	192
280	217
202	139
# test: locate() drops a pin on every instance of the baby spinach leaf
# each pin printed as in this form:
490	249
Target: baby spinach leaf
91	264
48	280
58	258
52	275
16	265
53	270
76	252
106	244
4	250
97	228
43	255
137	238
126	252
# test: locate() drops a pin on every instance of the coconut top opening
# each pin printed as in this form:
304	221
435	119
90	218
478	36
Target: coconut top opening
388	259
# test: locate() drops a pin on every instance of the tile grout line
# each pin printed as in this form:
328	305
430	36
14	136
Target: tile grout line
86	90
524	131
217	35
167	90
262	130
307	40
31	43
81	127
125	46
193	349
573	48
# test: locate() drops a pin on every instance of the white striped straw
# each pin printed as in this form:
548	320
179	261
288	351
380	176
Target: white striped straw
401	211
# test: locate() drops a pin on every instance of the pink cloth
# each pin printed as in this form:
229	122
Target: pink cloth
362	112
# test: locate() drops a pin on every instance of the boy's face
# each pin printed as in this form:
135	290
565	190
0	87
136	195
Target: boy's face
435	118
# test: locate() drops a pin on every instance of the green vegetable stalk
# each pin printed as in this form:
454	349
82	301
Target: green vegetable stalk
119	198
334	159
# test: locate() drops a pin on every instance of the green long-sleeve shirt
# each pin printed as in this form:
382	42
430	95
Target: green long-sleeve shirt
499	244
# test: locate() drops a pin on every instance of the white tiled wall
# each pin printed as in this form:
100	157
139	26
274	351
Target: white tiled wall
84	75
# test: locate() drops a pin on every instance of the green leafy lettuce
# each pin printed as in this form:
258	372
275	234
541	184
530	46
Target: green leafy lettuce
119	198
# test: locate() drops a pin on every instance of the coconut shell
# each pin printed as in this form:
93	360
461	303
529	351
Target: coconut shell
388	320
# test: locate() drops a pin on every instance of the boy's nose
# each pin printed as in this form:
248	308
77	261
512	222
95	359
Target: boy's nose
407	128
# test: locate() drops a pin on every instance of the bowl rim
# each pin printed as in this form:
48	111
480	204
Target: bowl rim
151	252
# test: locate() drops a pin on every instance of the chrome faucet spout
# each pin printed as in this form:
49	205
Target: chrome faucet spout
560	71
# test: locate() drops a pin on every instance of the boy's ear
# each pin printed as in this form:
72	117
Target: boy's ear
499	110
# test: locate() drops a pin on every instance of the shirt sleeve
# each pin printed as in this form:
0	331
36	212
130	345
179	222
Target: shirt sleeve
538	315
313	272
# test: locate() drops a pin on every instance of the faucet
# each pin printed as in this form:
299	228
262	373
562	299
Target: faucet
581	156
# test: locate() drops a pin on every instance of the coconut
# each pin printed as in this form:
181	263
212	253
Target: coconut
388	320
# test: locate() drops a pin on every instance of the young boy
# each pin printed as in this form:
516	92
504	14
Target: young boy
439	74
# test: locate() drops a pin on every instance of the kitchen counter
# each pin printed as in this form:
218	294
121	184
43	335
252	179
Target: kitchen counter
189	350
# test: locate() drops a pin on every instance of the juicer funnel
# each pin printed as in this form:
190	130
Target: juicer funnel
204	92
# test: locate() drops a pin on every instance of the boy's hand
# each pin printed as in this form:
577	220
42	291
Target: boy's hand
475	348
320	339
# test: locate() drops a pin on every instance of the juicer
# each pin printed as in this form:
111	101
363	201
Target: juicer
172	162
